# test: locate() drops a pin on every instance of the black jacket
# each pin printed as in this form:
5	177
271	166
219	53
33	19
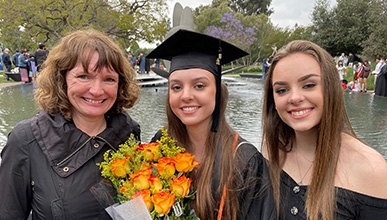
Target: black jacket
48	166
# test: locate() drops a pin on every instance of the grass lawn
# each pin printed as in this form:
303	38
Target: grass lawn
3	80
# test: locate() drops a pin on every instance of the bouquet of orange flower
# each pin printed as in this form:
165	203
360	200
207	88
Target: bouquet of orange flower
157	172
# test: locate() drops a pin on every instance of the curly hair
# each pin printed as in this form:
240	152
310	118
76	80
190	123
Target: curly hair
79	46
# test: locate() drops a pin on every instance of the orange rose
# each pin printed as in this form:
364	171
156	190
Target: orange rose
156	184
184	162
163	202
146	196
165	167
119	167
151	151
180	186
140	178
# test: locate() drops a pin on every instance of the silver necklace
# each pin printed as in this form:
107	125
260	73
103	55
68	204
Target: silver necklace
311	164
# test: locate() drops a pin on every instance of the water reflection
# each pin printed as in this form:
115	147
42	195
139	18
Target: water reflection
367	113
368	116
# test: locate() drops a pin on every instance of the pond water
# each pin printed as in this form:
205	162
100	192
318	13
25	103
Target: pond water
367	113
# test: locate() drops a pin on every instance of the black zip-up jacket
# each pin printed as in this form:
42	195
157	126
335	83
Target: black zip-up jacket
48	166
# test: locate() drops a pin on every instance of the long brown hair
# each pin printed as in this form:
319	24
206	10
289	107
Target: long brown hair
277	135
79	46
207	200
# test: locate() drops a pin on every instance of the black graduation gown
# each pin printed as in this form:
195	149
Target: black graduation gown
381	83
255	193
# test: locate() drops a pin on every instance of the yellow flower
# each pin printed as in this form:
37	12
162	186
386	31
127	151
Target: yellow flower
156	171
180	186
119	167
165	167
151	151
146	195
184	162
163	202
140	178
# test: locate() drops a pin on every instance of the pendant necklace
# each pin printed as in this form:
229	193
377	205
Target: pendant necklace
302	177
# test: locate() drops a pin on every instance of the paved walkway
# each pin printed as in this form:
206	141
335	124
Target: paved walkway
6	84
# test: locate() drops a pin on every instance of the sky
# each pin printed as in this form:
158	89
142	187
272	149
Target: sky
286	12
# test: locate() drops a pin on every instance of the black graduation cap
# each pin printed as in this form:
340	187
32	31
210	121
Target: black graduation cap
195	48
188	49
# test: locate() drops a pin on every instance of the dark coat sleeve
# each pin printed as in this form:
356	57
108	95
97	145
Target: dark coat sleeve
157	136
15	186
256	196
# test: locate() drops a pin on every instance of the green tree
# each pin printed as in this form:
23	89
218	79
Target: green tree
375	45
210	15
251	7
265	37
352	25
343	28
26	23
323	24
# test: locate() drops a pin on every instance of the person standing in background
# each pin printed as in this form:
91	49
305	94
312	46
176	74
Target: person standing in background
32	67
23	66
1	61
365	72
40	56
131	59
15	58
342	57
340	69
380	62
381	82
351	59
141	63
265	67
7	62
157	62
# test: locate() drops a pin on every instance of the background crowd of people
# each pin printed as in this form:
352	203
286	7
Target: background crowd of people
26	63
361	71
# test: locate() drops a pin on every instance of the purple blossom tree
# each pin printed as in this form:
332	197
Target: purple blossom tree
233	31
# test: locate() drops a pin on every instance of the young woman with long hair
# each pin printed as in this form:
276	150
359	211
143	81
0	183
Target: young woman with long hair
232	181
319	168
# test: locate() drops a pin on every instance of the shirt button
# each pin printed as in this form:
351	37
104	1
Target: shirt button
294	210
296	189
66	169
96	145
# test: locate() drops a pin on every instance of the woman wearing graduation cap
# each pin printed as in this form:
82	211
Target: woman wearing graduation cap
232	181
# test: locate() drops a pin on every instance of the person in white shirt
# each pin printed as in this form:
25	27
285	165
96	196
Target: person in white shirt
380	62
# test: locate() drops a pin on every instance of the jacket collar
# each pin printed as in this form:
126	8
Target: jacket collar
67	148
